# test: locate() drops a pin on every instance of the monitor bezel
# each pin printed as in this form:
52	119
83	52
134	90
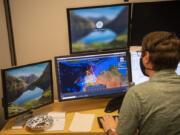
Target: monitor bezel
89	54
100	6
5	94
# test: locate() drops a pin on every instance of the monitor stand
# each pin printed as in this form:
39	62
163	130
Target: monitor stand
114	104
21	120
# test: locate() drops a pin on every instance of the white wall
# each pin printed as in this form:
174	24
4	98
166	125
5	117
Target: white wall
5	60
40	31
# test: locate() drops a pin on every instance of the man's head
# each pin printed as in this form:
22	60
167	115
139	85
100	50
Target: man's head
162	49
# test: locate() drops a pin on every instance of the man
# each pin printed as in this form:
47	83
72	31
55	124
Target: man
153	107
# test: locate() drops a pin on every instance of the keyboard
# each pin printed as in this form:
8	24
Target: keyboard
98	119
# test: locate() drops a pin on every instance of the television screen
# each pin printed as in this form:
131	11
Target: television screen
154	16
98	28
92	75
137	75
27	87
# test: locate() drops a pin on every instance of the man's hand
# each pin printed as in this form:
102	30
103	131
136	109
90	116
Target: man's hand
108	122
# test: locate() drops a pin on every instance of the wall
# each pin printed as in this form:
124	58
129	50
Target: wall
5	60
40	30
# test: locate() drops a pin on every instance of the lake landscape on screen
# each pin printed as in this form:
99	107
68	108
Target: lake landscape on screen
28	87
99	28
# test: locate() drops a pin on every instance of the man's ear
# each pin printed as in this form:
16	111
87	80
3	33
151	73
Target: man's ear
146	57
147	61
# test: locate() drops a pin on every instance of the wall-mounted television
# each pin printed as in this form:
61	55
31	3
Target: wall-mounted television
98	28
27	87
92	75
154	16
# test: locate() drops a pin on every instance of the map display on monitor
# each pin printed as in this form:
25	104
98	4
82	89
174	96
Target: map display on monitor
92	75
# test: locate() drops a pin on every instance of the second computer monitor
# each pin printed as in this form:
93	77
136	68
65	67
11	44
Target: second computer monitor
92	75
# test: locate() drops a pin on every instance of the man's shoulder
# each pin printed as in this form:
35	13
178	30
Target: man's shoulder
141	90
140	87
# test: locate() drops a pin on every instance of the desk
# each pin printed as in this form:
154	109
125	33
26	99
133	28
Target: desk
84	106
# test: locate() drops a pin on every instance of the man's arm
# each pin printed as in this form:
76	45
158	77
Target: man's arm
128	118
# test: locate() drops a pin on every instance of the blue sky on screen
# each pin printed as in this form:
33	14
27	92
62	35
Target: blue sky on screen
110	12
28	70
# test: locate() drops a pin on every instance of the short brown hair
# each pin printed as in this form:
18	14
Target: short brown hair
164	49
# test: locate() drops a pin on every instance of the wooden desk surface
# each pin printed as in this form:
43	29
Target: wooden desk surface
84	106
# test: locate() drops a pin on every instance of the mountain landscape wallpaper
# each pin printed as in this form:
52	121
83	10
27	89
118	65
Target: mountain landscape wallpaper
28	87
98	28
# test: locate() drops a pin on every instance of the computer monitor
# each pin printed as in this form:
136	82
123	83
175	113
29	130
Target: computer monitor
27	87
98	28
92	75
154	16
137	75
